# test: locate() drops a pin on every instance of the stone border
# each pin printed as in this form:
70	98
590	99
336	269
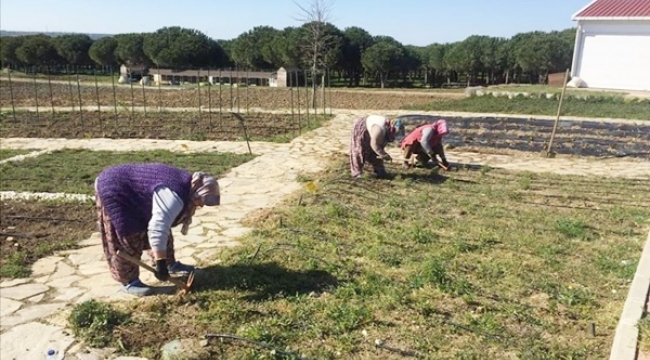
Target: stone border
626	337
25	156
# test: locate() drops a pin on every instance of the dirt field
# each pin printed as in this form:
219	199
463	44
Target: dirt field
153	125
584	138
25	94
32	230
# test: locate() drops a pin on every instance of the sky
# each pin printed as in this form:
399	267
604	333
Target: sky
411	22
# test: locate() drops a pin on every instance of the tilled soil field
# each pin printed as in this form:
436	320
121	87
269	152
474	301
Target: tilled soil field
153	125
584	138
32	230
124	96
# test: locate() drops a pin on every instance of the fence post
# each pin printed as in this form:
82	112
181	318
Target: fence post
298	93
67	73
198	78
114	96
293	117
309	102
220	98
11	93
230	83
238	83
329	89
81	116
38	116
323	80
159	94
49	83
144	99
209	101
247	86
99	109
132	102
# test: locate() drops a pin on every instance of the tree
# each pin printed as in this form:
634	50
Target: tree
356	41
254	48
129	49
102	51
177	48
38	50
318	42
491	56
382	58
73	48
8	47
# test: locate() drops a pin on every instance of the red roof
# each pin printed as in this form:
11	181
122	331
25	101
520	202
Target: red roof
615	8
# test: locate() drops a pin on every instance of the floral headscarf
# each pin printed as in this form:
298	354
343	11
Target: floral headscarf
204	187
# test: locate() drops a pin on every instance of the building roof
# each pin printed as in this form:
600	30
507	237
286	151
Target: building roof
615	10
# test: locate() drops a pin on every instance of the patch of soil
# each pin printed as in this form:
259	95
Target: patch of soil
37	229
163	125
584	138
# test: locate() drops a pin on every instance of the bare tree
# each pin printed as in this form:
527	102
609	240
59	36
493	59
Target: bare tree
318	43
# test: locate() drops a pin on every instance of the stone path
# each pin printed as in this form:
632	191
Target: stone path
36	308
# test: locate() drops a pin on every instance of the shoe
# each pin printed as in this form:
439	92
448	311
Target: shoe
137	288
179	268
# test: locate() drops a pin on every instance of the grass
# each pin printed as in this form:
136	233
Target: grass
644	334
9	153
596	107
75	170
473	265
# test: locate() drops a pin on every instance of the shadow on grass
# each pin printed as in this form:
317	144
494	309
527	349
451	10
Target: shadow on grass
262	280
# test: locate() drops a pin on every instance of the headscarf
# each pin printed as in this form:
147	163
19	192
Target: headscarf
390	129
204	187
441	127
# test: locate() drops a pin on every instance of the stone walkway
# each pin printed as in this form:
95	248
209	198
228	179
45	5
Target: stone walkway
36	308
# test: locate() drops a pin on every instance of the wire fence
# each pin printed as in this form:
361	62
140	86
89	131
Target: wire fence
198	104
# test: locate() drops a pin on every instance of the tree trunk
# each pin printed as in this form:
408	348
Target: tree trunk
507	76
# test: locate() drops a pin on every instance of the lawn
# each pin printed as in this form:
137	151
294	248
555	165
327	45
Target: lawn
475	264
596	107
9	153
74	170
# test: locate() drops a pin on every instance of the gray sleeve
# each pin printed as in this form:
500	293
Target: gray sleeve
377	138
426	137
166	207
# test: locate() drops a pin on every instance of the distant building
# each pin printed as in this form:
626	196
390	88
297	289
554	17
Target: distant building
612	46
135	71
280	78
245	78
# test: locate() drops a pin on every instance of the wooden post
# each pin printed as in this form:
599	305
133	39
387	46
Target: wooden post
549	151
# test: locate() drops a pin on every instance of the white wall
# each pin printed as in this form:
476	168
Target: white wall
613	54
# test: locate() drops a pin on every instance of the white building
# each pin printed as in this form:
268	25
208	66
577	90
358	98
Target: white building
612	48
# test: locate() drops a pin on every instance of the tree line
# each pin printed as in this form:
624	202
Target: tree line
351	56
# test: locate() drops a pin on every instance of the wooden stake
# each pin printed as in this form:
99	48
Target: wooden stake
549	152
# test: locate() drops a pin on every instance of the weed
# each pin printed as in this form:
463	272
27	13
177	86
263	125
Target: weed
94	322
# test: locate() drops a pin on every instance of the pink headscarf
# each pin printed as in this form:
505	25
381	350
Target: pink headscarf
441	127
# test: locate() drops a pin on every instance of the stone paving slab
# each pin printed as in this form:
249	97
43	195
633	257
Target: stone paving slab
36	305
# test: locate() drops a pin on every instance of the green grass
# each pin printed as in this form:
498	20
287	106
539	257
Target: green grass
74	171
644	334
597	107
9	153
479	265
